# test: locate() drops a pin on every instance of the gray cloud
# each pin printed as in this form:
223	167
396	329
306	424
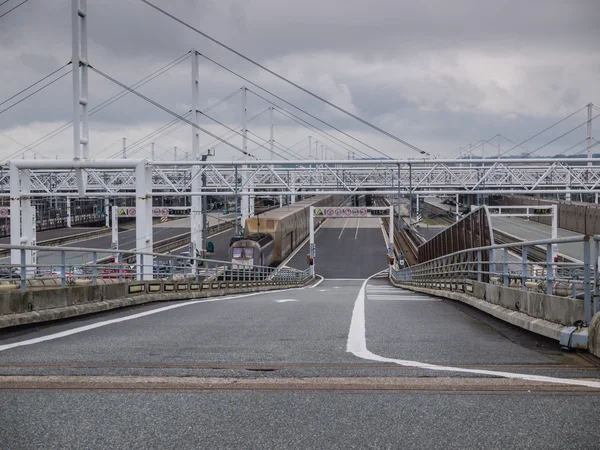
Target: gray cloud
436	73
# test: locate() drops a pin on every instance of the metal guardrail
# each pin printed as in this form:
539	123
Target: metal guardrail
176	267
493	264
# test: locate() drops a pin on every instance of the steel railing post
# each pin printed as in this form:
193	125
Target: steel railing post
479	266
94	268
23	271
505	271
120	266
587	291
63	264
549	262
524	269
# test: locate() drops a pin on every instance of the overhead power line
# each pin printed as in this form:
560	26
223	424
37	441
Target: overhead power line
32	85
296	85
10	10
35	92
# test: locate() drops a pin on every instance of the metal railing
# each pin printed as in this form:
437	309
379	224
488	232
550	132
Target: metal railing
163	267
509	265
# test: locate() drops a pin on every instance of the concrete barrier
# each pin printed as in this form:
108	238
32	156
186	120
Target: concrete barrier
594	336
21	308
544	314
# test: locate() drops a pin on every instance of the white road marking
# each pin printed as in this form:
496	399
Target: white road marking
285	300
357	345
357	225
104	323
343	228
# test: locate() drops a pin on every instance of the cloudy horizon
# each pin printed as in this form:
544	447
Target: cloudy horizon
437	74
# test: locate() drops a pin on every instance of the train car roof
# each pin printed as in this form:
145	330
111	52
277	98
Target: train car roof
286	210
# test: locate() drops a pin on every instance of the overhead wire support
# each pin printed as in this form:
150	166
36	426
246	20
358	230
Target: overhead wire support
173	113
296	85
310	126
104	104
543	131
292	105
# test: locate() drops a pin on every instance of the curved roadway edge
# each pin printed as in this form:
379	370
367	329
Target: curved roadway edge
519	319
27	318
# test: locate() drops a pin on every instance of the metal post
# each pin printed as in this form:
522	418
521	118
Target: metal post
587	291
554	231
94	268
143	221
115	230
399	212
479	266
75	24
15	215
589	133
197	203
409	196
505	271
271	138
23	270
549	269
391	233
418	210
456	210
524	268
63	265
106	212
69	219
236	199
311	226
596	276
245	206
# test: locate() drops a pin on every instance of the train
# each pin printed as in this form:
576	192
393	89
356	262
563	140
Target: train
274	235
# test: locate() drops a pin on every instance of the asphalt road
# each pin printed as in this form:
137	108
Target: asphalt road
273	370
346	248
42	236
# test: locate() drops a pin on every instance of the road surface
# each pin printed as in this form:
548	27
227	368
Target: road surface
273	370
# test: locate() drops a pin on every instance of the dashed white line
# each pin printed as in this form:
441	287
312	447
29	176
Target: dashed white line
343	228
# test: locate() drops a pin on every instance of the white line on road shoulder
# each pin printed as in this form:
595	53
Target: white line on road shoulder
104	323
357	345
357	225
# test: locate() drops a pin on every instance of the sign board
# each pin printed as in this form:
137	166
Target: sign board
4	212
345	211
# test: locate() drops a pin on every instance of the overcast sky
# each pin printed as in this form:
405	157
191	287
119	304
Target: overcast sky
439	74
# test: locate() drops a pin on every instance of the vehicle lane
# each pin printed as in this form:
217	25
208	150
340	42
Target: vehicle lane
346	248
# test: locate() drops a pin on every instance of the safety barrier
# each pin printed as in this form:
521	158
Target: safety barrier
31	275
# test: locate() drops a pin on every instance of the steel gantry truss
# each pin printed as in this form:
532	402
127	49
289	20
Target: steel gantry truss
112	178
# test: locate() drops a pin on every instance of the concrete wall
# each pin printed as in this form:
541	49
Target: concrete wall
19	308
559	310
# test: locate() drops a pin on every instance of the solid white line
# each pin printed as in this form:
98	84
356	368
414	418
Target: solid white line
104	323
343	228
357	345
389	298
357	225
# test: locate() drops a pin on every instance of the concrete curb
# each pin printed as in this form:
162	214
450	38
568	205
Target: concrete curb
519	319
11	320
